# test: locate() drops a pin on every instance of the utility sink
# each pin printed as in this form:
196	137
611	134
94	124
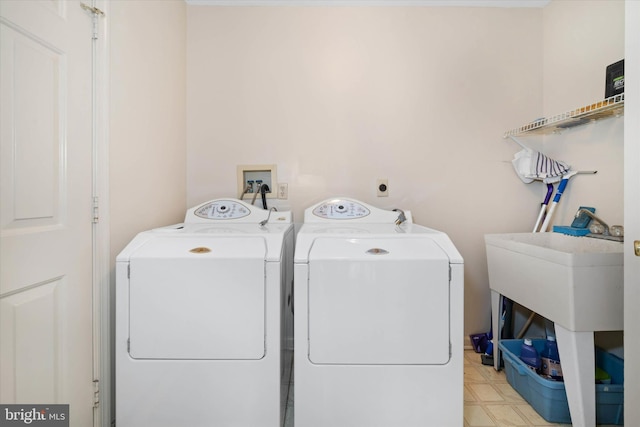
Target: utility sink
575	281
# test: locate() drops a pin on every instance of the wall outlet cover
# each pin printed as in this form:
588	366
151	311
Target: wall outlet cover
382	187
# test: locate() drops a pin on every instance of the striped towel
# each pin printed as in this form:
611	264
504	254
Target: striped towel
531	165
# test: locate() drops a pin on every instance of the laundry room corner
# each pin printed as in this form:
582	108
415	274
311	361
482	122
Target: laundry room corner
147	125
147	134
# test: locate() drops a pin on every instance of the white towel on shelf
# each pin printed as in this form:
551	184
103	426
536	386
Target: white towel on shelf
531	165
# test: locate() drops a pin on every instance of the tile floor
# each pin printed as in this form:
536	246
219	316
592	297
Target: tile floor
489	400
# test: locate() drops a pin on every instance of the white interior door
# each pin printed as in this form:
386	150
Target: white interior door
45	214
632	211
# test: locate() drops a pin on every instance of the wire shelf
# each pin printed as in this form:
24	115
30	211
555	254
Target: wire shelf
609	107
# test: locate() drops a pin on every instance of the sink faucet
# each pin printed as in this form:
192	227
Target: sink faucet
594	217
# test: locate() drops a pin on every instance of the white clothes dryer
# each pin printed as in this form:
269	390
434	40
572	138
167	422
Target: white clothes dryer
378	320
203	312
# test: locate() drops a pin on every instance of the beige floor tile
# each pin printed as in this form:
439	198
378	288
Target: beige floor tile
473	375
472	356
476	416
468	396
508	393
485	392
505	415
467	359
532	416
494	376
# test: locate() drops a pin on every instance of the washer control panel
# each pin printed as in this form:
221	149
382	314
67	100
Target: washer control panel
341	209
222	209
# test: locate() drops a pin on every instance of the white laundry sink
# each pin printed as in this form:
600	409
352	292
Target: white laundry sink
577	282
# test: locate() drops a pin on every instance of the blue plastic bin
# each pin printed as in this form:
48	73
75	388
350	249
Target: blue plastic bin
549	397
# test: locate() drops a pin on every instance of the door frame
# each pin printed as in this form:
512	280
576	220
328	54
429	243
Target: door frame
631	208
102	341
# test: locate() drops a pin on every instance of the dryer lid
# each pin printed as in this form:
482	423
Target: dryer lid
194	298
381	248
163	246
378	301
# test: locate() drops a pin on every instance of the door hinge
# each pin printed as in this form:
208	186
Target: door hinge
91	9
96	393
95	13
96	210
128	271
128	345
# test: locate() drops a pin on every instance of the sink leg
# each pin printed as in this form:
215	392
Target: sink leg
496	315
578	367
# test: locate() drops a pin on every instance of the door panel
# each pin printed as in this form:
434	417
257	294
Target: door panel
31	321
45	214
31	150
36	149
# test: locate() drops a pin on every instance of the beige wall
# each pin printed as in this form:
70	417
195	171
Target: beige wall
147	126
580	40
147	133
338	97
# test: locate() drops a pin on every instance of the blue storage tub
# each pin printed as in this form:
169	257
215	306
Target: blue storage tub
549	398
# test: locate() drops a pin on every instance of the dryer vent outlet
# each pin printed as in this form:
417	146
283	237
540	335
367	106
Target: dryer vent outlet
382	187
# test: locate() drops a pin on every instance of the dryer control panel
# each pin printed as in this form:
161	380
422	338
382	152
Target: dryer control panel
234	211
222	209
341	209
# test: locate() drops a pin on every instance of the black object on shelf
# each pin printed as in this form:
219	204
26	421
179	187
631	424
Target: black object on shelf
614	84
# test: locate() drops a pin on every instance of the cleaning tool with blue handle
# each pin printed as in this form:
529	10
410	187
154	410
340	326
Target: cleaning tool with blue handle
556	199
543	209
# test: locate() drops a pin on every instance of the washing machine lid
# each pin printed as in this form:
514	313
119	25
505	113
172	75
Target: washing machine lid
197	298
378	301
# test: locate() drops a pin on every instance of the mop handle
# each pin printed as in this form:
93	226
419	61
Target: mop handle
561	187
548	196
556	200
543	208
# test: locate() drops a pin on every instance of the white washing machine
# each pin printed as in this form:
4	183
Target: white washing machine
203	312
378	320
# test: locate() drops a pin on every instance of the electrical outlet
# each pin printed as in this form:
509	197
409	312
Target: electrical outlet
283	190
382	187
